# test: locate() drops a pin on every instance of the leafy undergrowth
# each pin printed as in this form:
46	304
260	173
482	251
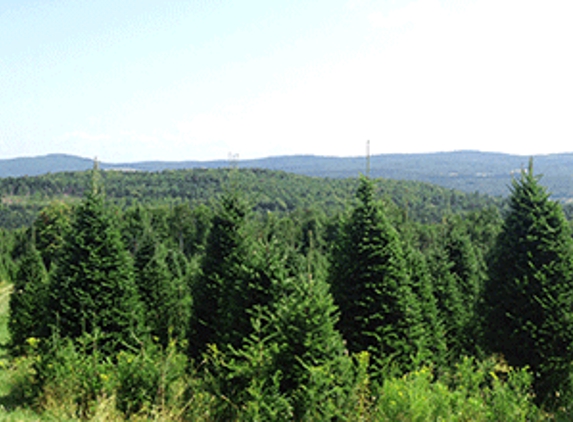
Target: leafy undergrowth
155	385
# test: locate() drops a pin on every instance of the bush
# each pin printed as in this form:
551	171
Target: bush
484	391
151	379
76	380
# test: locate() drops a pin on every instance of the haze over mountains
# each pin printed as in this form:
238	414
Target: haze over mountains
468	171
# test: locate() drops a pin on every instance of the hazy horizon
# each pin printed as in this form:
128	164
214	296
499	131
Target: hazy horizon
238	159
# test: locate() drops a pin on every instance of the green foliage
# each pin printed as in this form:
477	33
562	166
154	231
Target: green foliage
450	302
151	378
311	356
76	378
28	301
293	363
435	328
8	266
528	302
135	223
472	392
93	288
246	381
163	295
74	374
222	271
50	228
378	310
270	191
251	294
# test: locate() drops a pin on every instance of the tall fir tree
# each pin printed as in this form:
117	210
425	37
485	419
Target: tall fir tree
434	326
93	290
293	356
316	370
452	310
28	302
468	275
528	295
161	293
221	268
370	284
50	228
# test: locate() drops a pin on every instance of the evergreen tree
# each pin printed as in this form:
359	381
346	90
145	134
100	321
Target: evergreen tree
316	370
467	273
28	301
221	268
423	289
145	251
135	223
528	296
160	293
50	228
293	357
451	307
370	284
93	290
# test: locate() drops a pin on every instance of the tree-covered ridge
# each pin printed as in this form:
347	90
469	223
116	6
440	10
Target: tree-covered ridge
23	197
468	171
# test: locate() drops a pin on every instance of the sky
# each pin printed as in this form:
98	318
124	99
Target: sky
136	80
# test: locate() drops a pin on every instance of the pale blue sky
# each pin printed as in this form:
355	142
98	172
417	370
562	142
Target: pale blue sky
130	80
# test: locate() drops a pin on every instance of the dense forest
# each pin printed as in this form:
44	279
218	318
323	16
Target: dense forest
253	295
23	197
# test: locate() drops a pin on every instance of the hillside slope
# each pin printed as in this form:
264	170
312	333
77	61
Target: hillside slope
265	189
468	171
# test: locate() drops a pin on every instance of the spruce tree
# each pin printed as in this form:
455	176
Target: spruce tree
28	301
528	296
370	284
93	290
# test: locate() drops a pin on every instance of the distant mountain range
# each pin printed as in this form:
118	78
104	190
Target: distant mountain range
468	171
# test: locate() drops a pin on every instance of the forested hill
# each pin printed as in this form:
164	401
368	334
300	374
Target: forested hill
468	171
267	190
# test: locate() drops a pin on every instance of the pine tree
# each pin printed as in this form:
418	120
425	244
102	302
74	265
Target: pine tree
528	296
93	290
370	284
28	301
